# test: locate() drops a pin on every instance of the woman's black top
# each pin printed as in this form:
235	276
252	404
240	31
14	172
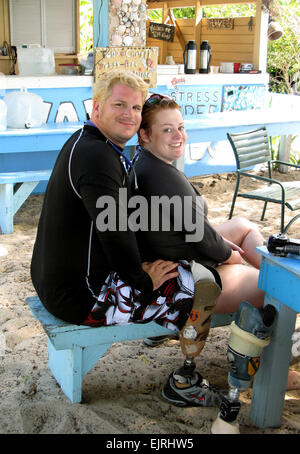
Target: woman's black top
157	178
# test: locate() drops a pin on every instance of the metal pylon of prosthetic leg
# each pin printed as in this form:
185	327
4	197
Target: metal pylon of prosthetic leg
250	334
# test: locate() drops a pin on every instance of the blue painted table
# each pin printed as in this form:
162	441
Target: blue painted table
214	128
27	156
279	278
35	148
50	136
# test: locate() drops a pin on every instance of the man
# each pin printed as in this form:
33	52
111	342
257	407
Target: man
72	257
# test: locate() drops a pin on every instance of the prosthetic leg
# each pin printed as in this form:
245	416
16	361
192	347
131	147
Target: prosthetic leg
185	386
249	335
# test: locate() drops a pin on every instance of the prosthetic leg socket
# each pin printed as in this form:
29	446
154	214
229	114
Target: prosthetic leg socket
195	331
249	336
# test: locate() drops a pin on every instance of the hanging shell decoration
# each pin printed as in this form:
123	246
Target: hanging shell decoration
127	22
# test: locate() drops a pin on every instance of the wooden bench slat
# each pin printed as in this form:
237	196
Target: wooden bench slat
24	176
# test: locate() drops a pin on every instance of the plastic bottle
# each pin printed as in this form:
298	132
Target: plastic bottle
24	110
3	115
35	60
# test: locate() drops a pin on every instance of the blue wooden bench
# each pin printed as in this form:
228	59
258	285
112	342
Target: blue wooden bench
11	201
73	350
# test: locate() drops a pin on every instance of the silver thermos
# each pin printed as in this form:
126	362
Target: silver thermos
190	58
205	57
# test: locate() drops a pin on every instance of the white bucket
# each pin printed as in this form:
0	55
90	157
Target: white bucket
35	61
24	110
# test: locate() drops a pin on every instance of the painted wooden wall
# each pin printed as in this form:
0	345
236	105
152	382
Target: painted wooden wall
242	44
231	45
227	45
239	44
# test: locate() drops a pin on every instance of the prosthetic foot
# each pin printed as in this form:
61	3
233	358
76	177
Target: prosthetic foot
187	388
249	336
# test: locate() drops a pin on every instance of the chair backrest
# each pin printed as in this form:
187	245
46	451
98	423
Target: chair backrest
250	148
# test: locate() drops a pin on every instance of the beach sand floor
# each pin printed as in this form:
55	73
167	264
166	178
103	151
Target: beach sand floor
121	394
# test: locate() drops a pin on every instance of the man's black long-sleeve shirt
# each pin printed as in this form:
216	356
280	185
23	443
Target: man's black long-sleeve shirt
71	257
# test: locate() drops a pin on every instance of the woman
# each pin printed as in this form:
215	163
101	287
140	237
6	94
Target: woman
162	138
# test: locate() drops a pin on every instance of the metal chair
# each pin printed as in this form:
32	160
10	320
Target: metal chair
251	148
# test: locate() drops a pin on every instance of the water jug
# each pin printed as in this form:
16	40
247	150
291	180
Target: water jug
3	115
35	60
87	63
24	110
190	58
205	57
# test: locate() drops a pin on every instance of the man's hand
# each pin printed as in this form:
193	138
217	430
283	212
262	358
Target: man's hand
235	258
234	246
160	271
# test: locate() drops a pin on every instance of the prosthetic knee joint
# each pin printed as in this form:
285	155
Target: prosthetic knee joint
249	335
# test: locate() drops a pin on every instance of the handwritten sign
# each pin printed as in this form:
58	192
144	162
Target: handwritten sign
141	61
164	32
216	23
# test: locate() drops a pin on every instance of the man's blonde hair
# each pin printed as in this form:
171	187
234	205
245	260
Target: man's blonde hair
103	87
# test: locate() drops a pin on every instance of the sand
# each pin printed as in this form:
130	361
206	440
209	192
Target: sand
121	394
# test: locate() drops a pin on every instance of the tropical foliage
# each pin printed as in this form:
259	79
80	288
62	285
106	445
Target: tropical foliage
240	10
283	62
86	25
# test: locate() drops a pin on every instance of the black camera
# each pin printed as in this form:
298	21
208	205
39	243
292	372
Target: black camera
282	245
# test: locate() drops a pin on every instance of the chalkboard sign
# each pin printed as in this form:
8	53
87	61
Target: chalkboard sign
164	32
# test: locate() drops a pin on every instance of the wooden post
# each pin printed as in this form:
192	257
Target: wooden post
197	36
260	38
5	64
284	152
270	381
101	26
177	31
77	27
164	47
4	21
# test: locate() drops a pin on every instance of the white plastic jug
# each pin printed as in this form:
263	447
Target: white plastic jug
24	110
3	115
35	60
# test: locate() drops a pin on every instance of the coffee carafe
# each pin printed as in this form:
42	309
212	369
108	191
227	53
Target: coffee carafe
205	57
190	58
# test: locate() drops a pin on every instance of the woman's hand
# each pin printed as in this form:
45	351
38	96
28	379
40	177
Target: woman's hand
160	271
